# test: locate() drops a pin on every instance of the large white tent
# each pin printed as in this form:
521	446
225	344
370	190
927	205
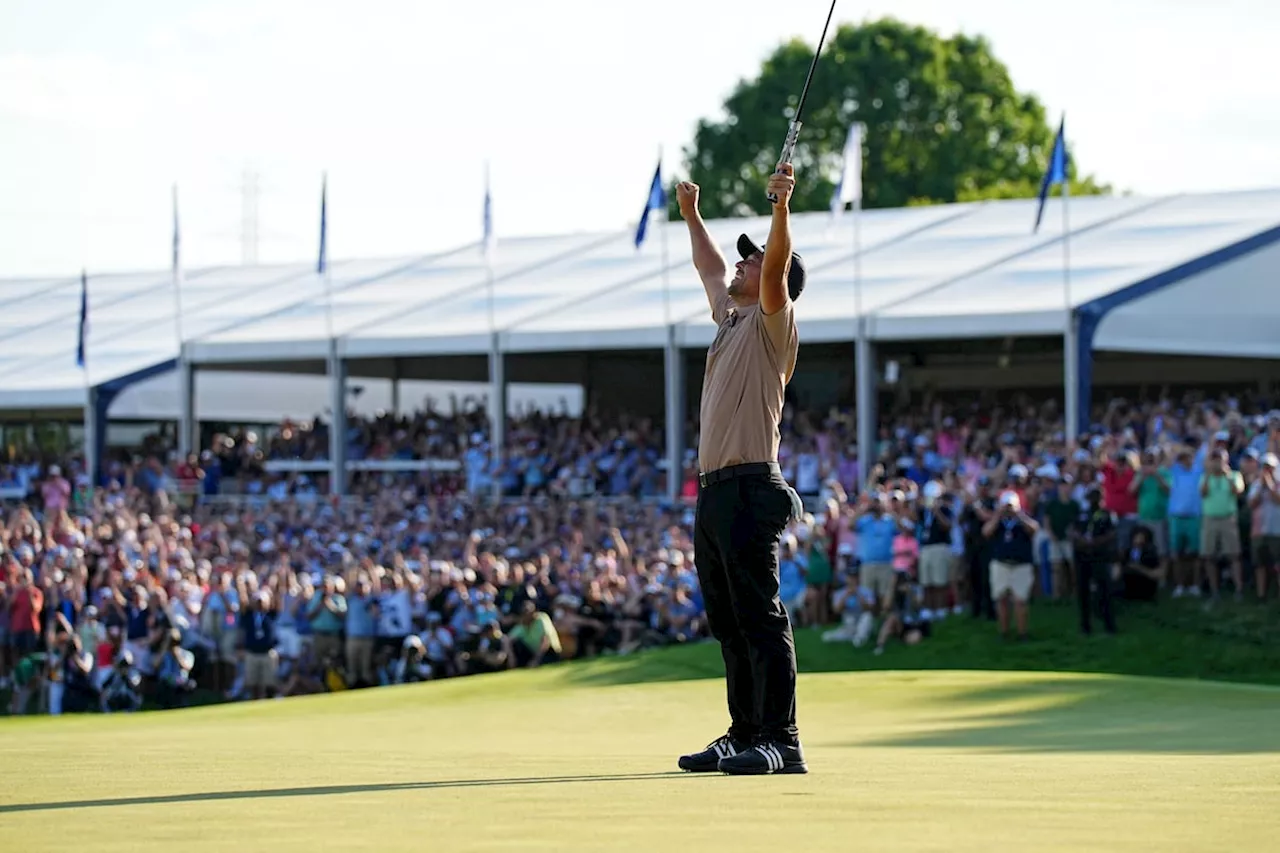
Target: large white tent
1181	274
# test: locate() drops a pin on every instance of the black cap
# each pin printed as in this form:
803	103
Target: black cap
795	276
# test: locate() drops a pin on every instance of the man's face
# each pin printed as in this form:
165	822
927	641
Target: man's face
745	286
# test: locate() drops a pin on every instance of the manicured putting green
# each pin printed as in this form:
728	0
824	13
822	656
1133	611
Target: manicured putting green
575	758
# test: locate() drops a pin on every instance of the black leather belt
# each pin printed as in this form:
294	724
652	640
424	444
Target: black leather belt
749	469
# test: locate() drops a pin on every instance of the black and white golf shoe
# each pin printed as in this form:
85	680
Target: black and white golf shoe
708	761
766	757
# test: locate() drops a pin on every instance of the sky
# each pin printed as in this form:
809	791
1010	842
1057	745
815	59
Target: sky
104	106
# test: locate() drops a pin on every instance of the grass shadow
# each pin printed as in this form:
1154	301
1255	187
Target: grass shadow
333	790
1102	715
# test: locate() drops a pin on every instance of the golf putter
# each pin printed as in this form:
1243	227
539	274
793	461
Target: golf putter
793	132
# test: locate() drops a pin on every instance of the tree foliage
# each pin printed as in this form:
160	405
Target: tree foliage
943	122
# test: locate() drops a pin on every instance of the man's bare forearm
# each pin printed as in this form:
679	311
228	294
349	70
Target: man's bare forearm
777	257
707	257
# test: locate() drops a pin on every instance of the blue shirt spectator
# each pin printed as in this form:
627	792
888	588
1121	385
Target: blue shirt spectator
259	631
875	538
360	618
791	580
1184	489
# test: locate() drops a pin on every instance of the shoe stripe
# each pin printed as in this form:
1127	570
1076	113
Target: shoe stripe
721	752
771	756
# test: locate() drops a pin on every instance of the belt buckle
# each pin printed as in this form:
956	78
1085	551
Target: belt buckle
702	479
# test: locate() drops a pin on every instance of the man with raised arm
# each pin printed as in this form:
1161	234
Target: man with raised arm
743	501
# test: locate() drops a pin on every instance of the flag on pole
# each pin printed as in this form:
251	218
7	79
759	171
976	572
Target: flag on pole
323	263
849	187
657	200
83	335
490	237
177	240
1057	173
177	270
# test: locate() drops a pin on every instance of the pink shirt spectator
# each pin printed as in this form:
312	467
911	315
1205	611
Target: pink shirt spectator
948	445
906	553
57	494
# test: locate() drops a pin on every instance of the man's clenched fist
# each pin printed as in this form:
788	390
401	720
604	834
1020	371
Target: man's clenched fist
781	184
687	198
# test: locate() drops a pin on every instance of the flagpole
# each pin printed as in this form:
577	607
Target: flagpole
333	367
673	380
185	404
90	404
864	356
1071	341
177	272
497	379
324	255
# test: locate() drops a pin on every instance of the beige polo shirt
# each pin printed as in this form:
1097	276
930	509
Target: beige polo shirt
748	366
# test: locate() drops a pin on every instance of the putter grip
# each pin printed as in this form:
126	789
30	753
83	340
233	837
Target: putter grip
788	151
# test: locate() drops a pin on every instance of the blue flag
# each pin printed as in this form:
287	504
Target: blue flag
1057	173
657	201
323	262
83	335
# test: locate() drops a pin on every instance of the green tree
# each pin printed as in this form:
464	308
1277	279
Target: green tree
943	121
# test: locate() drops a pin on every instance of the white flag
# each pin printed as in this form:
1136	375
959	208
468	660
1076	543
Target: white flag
850	187
490	236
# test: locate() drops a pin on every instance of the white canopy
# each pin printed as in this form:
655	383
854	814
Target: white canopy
1187	274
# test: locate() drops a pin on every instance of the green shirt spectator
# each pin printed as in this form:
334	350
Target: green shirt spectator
1153	495
534	631
1220	499
1061	514
819	568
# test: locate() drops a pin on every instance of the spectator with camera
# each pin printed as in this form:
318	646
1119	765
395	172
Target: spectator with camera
1011	533
1152	485
876	528
258	633
1220	490
361	628
122	689
1095	545
1061	511
936	523
1185	506
411	666
905	620
490	652
1264	503
973	519
174	666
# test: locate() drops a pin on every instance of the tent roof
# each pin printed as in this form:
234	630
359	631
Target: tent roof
946	271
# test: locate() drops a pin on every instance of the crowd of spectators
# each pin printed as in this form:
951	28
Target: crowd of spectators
155	583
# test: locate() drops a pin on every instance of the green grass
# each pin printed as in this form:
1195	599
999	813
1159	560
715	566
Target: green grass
579	758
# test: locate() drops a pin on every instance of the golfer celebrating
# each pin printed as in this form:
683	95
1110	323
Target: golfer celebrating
743	501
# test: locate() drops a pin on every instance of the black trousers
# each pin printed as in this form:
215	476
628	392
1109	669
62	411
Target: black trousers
980	603
1097	570
735	542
